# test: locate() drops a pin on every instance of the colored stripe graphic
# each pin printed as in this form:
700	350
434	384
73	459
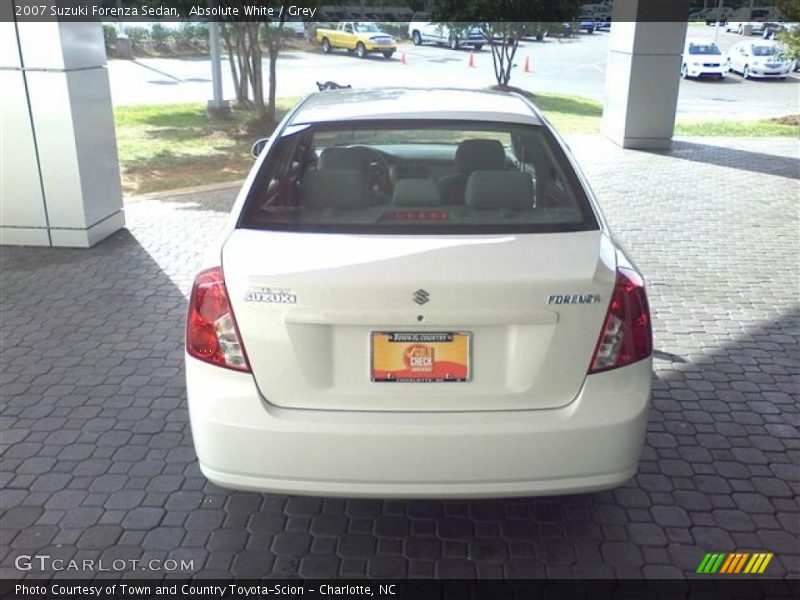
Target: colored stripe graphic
703	563
734	562
711	562
740	563
729	562
759	562
754	562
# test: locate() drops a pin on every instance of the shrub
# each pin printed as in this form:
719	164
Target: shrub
160	35
110	39
191	35
137	35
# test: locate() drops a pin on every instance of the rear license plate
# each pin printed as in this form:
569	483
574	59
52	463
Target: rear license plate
420	357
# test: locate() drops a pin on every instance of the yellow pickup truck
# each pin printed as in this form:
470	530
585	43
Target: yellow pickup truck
361	38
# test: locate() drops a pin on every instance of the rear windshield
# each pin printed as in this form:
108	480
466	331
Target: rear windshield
419	177
703	49
764	50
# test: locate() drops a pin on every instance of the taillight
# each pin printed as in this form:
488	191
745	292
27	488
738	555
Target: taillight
211	332
626	336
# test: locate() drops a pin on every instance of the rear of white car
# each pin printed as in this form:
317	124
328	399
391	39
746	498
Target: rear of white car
452	319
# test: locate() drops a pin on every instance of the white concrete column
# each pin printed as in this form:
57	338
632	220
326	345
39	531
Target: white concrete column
642	76
59	171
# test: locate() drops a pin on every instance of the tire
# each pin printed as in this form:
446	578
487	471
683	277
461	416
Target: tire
454	43
478	47
326	46
740	31
685	72
388	54
361	51
416	38
746	72
728	65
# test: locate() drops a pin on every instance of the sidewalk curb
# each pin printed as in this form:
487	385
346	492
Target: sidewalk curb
198	189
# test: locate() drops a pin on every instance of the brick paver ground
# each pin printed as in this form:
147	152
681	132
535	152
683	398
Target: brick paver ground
97	452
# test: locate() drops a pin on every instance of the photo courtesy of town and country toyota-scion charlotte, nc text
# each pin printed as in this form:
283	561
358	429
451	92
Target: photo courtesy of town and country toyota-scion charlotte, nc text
205	590
156	11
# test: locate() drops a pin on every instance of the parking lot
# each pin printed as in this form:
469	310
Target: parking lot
571	66
97	453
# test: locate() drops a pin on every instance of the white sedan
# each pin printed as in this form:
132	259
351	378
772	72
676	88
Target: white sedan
702	59
764	59
417	295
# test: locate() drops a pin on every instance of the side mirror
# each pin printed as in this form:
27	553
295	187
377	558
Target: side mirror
258	147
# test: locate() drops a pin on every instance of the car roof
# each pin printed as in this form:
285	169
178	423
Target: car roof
415	103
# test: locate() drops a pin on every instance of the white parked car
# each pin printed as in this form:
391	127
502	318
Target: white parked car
761	58
599	11
752	20
421	31
702	58
417	295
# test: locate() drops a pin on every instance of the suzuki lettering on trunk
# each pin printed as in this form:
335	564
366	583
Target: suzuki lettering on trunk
440	240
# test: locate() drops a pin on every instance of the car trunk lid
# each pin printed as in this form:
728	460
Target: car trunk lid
307	306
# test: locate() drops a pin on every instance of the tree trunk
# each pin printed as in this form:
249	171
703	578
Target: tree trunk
229	47
256	71
273	84
503	52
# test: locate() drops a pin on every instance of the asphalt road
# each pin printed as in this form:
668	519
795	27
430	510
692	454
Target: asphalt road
575	66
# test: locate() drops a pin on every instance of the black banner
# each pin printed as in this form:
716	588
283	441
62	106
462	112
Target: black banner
706	588
326	11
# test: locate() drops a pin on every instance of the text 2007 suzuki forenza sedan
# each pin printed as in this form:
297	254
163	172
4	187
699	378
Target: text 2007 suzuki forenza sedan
416	295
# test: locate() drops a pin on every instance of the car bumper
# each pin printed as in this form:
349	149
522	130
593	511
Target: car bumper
381	47
702	71
770	73
242	442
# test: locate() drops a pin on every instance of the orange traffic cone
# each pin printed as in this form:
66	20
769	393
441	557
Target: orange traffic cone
403	58
471	62
527	68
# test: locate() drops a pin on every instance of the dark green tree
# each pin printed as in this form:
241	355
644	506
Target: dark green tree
790	12
503	23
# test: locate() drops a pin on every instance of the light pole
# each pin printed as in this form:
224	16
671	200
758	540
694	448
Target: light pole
216	107
124	44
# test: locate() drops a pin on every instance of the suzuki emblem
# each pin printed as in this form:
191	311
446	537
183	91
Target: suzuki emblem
420	296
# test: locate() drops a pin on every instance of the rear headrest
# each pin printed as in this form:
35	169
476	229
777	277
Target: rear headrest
357	159
499	189
472	155
334	189
416	192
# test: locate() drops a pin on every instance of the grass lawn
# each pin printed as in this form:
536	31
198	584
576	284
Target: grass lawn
574	114
172	146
